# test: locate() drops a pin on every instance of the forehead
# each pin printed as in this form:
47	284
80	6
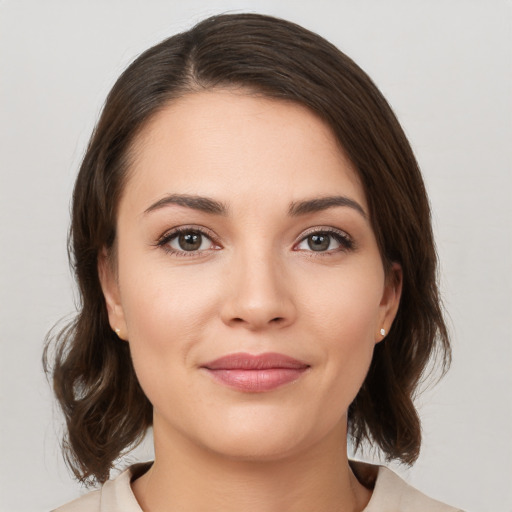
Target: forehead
230	144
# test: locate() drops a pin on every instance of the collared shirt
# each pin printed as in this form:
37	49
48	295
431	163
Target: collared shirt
390	493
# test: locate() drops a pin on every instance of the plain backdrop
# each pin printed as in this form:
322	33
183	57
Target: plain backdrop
446	68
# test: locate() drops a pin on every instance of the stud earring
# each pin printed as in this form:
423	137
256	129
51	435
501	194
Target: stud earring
383	332
118	332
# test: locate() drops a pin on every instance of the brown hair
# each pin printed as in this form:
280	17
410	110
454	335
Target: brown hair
105	409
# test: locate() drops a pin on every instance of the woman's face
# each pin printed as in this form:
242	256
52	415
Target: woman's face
248	284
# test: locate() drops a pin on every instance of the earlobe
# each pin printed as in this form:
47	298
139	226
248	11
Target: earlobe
390	300
110	288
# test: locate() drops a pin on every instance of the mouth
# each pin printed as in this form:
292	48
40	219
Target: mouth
255	373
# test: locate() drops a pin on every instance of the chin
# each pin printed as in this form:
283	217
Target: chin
256	447
260	437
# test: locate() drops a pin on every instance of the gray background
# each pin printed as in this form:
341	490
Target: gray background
446	68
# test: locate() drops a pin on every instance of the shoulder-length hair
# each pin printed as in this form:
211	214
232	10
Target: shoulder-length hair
105	409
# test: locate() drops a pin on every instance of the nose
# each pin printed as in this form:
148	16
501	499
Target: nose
258	294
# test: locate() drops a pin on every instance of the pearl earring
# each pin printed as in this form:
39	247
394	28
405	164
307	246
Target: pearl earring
118	332
383	332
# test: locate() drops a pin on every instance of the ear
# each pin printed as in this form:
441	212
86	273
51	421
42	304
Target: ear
110	287
390	300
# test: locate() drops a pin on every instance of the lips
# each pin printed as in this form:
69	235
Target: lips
255	373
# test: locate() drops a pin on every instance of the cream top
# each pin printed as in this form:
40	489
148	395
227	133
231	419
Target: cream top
390	494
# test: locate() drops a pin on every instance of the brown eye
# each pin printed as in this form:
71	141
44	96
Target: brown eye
190	241
319	242
326	242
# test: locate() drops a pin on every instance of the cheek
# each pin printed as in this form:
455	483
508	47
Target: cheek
166	311
342	312
164	330
162	299
345	301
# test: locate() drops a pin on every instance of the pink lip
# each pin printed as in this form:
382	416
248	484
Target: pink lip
255	373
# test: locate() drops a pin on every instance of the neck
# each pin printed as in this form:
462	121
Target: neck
187	477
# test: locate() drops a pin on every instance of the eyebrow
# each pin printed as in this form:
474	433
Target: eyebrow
324	203
203	204
298	208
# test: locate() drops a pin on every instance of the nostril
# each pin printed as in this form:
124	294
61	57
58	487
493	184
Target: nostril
276	320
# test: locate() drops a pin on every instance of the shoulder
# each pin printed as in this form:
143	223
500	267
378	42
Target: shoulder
88	503
115	496
392	494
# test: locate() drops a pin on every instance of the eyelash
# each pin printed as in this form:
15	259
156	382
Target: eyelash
165	239
345	241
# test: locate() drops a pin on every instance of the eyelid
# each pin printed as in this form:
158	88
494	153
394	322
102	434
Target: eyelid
346	241
323	229
168	235
343	237
187	227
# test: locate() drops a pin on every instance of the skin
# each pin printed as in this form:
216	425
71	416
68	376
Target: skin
254	286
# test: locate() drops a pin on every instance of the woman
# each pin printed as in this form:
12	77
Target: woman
252	241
